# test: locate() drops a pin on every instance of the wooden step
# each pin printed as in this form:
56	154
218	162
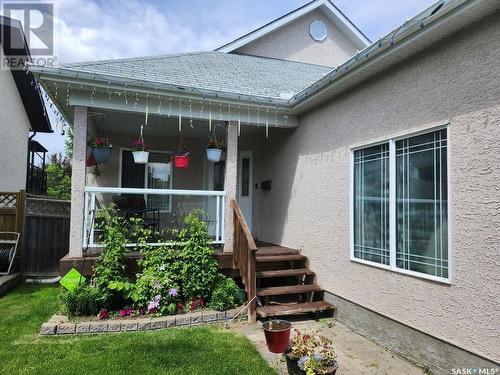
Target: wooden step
276	250
284	273
294	309
289	289
280	258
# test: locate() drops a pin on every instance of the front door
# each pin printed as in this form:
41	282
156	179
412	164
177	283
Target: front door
245	184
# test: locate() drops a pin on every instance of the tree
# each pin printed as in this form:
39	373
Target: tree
59	177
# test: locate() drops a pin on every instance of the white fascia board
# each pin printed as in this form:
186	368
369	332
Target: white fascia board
339	19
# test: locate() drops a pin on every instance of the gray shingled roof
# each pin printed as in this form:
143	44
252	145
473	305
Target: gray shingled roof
230	73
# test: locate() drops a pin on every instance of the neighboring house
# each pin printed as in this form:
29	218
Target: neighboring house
381	162
21	111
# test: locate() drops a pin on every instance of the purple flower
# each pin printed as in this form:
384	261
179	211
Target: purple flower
153	305
157	298
172	292
125	312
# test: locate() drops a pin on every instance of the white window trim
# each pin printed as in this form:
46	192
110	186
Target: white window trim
146	174
392	207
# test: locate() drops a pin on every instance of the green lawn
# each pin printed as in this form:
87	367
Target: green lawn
171	351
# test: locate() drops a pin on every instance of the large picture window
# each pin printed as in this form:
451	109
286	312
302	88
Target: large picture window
400	205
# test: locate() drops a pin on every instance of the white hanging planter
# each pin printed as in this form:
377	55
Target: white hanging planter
140	157
214	154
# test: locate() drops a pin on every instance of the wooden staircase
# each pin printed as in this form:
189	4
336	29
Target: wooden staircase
276	278
285	286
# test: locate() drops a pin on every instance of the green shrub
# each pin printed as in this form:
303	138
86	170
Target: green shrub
85	300
224	295
199	271
112	263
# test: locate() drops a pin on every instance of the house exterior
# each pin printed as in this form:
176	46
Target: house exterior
21	108
378	160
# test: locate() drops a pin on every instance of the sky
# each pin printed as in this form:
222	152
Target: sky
103	29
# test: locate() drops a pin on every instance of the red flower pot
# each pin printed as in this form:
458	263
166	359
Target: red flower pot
181	161
277	335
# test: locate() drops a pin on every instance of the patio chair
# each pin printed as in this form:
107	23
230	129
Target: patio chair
137	207
8	249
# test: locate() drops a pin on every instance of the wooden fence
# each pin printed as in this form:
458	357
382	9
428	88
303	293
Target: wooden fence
46	235
12	211
44	227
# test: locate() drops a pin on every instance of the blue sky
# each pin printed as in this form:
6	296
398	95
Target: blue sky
101	29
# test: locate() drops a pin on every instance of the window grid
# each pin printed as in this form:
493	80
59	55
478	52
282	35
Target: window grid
418	218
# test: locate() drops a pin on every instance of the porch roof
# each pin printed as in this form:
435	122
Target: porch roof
211	73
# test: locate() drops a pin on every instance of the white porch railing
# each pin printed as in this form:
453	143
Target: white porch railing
94	200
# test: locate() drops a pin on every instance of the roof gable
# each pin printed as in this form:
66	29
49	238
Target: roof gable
326	6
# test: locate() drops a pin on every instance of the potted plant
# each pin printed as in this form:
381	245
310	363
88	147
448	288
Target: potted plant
311	353
215	149
181	159
277	334
140	151
101	149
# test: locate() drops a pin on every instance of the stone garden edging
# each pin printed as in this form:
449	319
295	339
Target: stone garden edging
60	325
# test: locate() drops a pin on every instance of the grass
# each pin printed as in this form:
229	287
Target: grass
205	350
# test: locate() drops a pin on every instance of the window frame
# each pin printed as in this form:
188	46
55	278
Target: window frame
146	174
392	205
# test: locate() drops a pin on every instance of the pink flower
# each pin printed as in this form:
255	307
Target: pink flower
125	312
103	314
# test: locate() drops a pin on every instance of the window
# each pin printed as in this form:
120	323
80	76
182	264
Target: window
412	196
371	204
159	176
156	174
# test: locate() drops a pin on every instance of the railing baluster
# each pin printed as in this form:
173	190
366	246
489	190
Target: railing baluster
217	214
85	217
92	215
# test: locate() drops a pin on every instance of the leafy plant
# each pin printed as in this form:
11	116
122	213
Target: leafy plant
97	141
112	263
224	295
214	143
314	352
59	177
128	290
199	270
139	145
84	300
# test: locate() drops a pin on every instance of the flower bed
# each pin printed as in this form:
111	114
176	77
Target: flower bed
172	280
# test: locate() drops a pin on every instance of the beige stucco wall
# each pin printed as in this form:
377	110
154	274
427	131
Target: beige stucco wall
293	42
14	127
308	206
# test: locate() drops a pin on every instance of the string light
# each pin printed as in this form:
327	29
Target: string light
190	114
180	115
210	117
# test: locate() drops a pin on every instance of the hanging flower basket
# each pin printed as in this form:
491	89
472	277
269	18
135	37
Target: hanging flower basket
140	151
181	158
181	161
102	154
101	149
215	149
140	157
214	154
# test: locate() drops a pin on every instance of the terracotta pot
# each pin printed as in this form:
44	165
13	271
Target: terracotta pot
277	333
140	157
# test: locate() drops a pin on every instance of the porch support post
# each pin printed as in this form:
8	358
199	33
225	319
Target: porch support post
78	181
230	181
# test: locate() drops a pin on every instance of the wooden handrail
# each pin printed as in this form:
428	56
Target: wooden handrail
244	250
